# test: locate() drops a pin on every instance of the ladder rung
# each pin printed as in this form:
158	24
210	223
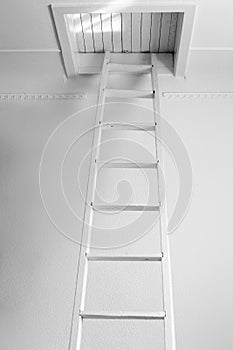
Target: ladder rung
123	315
117	93
128	126
124	165
130	68
152	258
126	207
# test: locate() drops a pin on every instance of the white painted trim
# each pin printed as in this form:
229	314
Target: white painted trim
204	48
25	97
64	40
183	47
211	48
30	50
195	95
122	6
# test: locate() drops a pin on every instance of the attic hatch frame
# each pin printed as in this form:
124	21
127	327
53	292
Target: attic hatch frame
76	63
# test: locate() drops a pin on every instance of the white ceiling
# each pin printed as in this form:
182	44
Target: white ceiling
27	24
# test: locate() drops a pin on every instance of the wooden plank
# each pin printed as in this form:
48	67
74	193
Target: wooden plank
87	30
166	270
120	6
127	126
136	25
79	33
97	31
127	165
145	32
155	32
107	31
127	31
172	32
183	41
123	315
88	213
116	30
125	258
165	27
117	93
112	208
129	68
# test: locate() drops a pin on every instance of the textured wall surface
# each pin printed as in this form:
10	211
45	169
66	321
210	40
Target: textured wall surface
38	265
201	277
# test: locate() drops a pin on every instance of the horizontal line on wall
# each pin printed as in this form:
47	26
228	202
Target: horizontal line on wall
194	95
30	50
82	96
211	48
220	49
6	97
58	50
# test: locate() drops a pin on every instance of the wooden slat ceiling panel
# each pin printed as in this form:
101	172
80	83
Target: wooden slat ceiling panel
125	32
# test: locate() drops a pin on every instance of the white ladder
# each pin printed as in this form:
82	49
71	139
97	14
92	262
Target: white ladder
166	314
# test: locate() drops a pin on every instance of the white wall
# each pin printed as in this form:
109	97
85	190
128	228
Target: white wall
201	248
38	265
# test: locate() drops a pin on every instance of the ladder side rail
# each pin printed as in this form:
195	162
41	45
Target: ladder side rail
81	279
166	268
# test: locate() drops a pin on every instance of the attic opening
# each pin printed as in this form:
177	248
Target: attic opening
123	32
86	32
